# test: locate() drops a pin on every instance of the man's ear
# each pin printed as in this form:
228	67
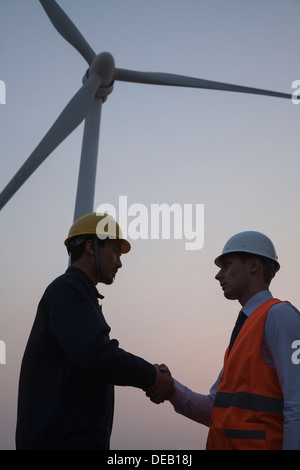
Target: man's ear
254	264
89	246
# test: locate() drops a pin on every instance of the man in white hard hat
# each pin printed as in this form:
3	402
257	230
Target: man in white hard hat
70	365
255	402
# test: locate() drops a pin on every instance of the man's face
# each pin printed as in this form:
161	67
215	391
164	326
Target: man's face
110	262
234	277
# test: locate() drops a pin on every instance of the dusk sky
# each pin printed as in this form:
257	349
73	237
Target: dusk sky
236	154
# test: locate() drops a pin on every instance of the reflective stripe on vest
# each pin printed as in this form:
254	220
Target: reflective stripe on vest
249	401
248	408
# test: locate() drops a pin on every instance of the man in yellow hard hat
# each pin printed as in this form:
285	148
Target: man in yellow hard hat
70	365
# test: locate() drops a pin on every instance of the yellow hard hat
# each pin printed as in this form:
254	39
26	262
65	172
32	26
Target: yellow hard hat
100	225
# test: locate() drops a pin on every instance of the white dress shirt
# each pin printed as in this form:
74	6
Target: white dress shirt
280	350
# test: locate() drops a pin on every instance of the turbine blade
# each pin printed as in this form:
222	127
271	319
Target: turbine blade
156	78
67	29
73	114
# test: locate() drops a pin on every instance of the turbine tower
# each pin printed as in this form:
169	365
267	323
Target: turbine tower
86	105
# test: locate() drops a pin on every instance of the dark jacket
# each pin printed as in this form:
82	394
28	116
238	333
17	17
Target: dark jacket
66	393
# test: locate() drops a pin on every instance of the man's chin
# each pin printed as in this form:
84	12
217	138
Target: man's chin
229	295
109	281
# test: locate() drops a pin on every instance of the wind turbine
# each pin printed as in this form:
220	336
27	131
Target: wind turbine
87	103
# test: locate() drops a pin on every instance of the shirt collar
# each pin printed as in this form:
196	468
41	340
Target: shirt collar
256	301
73	269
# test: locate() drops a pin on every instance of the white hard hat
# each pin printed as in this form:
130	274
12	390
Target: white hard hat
252	242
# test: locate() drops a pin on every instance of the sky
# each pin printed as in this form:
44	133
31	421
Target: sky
236	154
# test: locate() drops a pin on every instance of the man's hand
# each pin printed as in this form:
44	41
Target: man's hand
164	368
163	387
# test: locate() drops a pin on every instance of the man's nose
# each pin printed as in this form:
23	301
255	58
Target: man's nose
218	276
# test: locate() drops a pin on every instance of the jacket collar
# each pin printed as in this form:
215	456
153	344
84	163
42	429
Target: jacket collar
78	271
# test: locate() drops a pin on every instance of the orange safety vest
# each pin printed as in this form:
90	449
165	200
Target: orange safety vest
248	408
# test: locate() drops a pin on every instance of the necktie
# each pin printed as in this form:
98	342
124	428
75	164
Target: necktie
242	317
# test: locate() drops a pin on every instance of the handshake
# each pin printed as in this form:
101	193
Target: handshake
163	387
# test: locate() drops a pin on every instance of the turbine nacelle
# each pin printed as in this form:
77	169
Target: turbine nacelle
104	66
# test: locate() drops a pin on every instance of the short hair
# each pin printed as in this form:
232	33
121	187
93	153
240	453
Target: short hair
77	250
269	265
